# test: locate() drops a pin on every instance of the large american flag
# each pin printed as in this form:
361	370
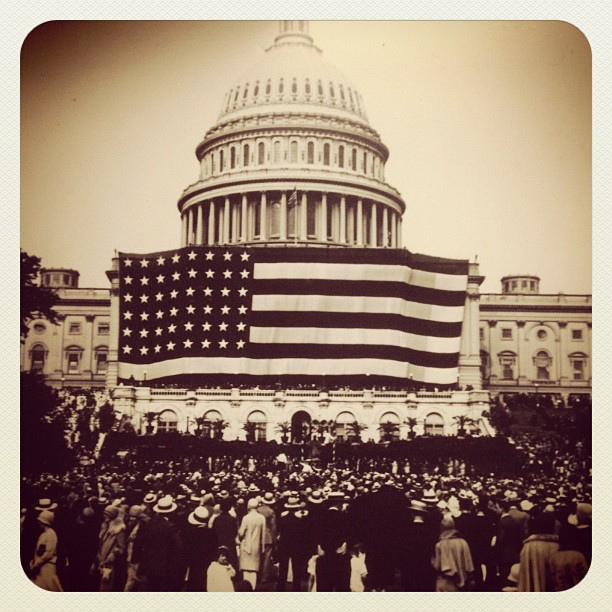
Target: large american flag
202	314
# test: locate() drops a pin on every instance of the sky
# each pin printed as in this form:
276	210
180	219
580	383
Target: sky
488	124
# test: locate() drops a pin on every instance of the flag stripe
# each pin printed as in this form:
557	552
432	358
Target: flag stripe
360	272
354	336
357	304
424	295
319	368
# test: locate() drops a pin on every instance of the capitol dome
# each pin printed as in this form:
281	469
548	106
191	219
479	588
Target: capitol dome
292	159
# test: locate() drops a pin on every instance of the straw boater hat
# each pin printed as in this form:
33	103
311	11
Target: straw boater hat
293	503
45	504
418	506
165	505
253	488
223	494
429	497
46	518
150	498
199	516
316	497
268	498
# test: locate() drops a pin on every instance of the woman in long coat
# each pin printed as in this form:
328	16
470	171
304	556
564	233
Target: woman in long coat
252	534
42	566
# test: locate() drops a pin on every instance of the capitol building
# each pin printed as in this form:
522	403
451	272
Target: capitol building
292	164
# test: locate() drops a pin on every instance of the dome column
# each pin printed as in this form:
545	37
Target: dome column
226	221
385	225
360	222
323	218
243	219
263	220
235	222
304	217
283	216
189	227
211	222
399	231
342	219
200	225
184	230
373	227
393	229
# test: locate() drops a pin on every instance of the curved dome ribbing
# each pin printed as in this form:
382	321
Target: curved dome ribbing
292	127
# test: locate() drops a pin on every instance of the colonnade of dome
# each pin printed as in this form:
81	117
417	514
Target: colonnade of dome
292	159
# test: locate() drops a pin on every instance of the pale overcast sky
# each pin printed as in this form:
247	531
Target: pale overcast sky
488	124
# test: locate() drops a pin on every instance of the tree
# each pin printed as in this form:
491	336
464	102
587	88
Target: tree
284	428
250	428
354	430
218	428
463	422
150	418
412	423
36	301
42	426
106	417
388	430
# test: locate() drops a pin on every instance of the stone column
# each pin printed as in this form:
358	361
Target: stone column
189	227
385	227
373	227
393	229
304	217
359	222
226	221
323	234
200	224
235	222
211	222
263	218
350	224
342	219
184	229
243	219
399	231
283	216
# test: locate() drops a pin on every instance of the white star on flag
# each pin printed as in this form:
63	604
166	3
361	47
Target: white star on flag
209	273
127	280
159	314
127	349
157	348
206	326
127	331
127	262
190	291
225	309
223	344
170	346
192	273
191	256
176	276
127	297
175	258
227	274
205	343
227	256
144	280
144	333
173	311
144	263
189	326
171	328
209	256
158	331
223	326
244	274
207	309
187	343
225	292
160	278
127	314
241	326
144	350
144	298
207	291
190	309
242	292
160	260
159	297
173	293
240	344
144	316
245	256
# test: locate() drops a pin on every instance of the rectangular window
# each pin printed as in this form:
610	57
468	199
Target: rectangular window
101	363
74	328
73	363
482	336
578	366
576	334
507	333
103	329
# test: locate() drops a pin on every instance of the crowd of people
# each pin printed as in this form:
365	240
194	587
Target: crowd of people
255	524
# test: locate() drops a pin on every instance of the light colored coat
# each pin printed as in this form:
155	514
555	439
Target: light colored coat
252	536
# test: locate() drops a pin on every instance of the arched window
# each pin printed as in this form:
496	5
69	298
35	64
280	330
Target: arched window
326	154
221	161
208	423
38	356
310	153
354	160
268	88
212	163
320	88
245	155
578	362
507	361
261	153
276	152
365	162
332	93
341	425
341	156
258	418
73	359
293	152
281	86
294	87
307	87
256	90
434	424
167	421
245	93
542	362
389	426
350	93
232	157
236	95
